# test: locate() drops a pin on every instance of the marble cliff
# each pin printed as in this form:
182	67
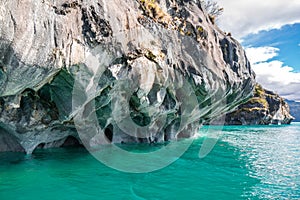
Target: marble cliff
163	64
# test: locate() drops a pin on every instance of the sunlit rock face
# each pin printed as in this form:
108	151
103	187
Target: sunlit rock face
150	71
264	108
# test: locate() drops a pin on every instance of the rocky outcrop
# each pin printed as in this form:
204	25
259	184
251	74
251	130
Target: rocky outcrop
264	108
151	71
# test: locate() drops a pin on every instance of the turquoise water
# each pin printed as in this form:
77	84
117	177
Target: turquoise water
247	163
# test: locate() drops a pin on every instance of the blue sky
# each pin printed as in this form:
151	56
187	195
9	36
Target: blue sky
269	30
286	39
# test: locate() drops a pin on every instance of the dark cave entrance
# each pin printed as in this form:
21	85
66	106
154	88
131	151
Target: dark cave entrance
71	141
108	132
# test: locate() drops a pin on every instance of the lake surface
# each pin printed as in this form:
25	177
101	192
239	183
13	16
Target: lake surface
248	162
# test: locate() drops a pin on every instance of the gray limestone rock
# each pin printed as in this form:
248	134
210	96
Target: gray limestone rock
151	71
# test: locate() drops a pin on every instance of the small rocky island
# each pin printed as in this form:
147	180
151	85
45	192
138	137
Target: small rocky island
162	63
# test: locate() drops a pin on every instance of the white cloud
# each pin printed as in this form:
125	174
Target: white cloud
243	17
261	54
275	72
274	75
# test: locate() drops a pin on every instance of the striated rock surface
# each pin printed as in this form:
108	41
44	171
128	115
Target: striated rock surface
264	108
160	65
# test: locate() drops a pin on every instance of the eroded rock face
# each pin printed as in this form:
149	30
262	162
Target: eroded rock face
160	65
264	108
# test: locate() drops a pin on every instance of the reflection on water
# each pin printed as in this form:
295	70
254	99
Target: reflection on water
272	154
254	162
